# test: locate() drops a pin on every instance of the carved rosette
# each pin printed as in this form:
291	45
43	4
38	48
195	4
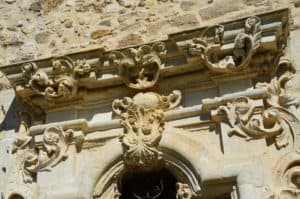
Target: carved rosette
60	83
143	120
52	150
139	68
245	45
267	118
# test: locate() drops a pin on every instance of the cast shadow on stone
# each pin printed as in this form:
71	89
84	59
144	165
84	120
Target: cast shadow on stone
10	121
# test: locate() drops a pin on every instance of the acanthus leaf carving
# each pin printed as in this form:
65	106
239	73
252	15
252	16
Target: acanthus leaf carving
60	83
265	118
278	96
139	68
143	120
245	45
52	150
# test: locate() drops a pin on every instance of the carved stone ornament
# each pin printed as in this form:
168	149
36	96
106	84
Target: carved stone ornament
245	45
143	120
112	192
53	150
183	191
290	185
60	83
139	68
268	118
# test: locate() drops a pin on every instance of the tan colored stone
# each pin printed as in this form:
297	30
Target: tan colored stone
97	34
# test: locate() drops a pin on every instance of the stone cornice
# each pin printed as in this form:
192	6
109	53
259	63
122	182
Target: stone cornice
249	46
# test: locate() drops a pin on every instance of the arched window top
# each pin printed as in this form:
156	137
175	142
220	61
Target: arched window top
157	184
15	196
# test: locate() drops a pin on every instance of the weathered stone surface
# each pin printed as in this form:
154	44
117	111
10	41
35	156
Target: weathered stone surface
176	15
148	98
97	34
42	37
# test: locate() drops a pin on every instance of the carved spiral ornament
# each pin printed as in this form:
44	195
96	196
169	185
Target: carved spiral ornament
245	45
139	68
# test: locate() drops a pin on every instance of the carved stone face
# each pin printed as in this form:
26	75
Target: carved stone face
51	138
40	78
143	130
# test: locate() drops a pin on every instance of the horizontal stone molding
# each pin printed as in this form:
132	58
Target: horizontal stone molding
207	104
248	46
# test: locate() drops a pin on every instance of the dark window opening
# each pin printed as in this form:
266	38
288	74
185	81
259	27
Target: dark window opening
148	185
16	196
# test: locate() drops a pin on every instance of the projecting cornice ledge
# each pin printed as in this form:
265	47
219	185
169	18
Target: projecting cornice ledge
249	46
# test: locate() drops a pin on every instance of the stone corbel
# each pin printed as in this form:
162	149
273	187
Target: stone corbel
245	45
143	120
59	83
270	117
139	68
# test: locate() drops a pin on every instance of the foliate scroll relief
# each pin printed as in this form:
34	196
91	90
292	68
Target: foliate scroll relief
143	120
267	118
52	150
139	68
290	185
245	45
60	82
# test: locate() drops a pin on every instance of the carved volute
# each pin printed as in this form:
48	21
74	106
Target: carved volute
232	130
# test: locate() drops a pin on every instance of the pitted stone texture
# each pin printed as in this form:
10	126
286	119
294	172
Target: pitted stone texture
31	29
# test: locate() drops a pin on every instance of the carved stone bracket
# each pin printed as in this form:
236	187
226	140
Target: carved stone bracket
143	121
245	45
139	68
266	118
47	154
61	82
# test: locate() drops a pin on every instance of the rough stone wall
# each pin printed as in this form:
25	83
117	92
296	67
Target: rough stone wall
31	29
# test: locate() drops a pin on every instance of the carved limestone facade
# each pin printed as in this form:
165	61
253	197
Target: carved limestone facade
208	113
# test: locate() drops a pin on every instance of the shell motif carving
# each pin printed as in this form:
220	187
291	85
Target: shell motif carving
143	120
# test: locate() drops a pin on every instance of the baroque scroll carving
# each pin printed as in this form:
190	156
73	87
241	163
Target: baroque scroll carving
245	45
268	118
53	149
61	82
143	120
290	185
139	68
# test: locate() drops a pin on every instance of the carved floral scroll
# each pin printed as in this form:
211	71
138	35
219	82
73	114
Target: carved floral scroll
245	45
52	150
143	120
267	118
139	68
61	82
